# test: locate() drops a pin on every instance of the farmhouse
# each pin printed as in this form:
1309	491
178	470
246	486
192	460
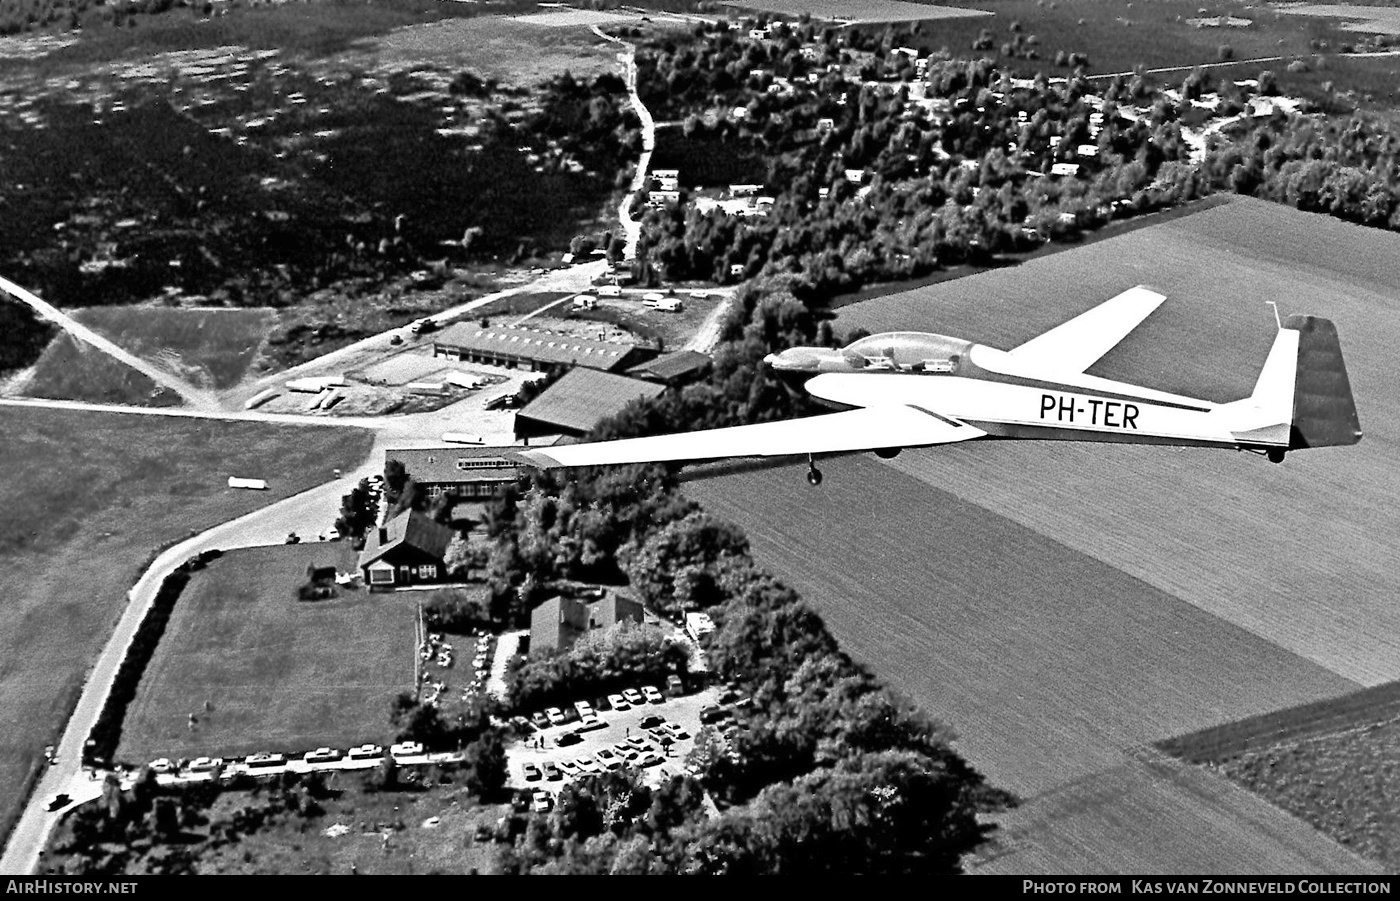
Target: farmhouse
580	400
526	348
466	473
407	550
557	623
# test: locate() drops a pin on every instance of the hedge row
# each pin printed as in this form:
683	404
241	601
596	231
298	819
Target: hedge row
107	731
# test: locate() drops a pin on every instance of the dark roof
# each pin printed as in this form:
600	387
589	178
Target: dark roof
412	528
670	367
560	621
585	397
440	465
557	622
534	344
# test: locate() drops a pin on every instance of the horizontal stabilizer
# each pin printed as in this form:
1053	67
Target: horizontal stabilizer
869	428
1078	344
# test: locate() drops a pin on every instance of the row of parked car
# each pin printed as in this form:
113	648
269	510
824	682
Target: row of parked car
269	759
639	751
588	717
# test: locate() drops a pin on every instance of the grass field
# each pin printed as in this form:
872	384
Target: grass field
1058	603
515	51
89	498
209	348
69	369
281	674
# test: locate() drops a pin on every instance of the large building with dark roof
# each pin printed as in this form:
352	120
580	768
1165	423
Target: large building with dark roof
463	472
580	400
534	349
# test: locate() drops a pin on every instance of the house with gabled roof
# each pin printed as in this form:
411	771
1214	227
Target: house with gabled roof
407	550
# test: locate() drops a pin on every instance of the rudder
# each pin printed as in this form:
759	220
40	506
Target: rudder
1324	411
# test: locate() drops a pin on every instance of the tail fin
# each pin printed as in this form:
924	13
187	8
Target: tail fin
1324	411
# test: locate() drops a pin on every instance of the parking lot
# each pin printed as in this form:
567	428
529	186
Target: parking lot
620	725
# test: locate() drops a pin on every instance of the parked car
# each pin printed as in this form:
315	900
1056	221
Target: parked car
366	752
674	686
322	755
162	765
633	696
587	765
568	768
651	721
584	709
616	702
264	759
541	802
406	749
551	771
532	772
711	713
585	302
609	760
539	719
636	741
568	738
555	716
675	731
59	801
590	722
651	695
651	758
205	765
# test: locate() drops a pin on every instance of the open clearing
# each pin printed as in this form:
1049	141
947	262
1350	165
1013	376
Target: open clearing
208	348
70	369
1371	19
280	674
858	11
1060	603
89	498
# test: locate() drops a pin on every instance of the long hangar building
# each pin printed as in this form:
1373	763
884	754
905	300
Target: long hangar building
527	348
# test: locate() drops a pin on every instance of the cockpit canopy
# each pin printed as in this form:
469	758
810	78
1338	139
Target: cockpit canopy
908	351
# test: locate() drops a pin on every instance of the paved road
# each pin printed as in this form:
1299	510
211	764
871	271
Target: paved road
199	398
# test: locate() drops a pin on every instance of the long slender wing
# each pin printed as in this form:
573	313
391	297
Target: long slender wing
868	428
1078	344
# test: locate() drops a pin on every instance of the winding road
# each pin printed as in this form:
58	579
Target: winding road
632	227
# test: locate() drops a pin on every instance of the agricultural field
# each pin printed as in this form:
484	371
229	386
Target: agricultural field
1299	554
859	11
70	369
1060	603
1330	764
91	497
211	348
279	674
1119	35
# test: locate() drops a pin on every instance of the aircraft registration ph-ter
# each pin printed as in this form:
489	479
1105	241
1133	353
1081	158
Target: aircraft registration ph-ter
912	389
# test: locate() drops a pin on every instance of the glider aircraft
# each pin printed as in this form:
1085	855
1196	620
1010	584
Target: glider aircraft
914	389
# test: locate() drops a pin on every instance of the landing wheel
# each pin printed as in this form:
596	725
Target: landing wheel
814	477
1275	454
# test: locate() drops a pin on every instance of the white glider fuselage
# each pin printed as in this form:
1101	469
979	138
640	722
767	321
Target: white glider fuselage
989	389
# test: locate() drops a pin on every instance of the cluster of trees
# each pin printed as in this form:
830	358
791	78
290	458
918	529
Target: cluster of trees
1342	167
600	662
150	828
955	178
